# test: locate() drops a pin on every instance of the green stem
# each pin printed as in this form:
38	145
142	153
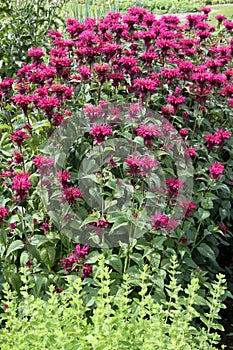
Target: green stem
196	235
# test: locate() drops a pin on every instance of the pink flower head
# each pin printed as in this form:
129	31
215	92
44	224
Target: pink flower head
173	186
48	104
45	226
148	132
191	151
85	73
184	132
21	185
99	132
206	10
216	170
134	162
218	138
12	225
18	158
228	25
76	260
93	112
144	86
86	270
81	251
23	101
41	162
101	68
187	207
147	163
36	52
64	177
159	221
18	137
71	194
222	227
139	165
220	18
3	212
168	110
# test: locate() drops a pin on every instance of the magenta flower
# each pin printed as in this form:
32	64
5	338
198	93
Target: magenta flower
168	110
138	165
3	212
86	270
148	132
220	18
45	226
173	186
99	132
18	158
191	151
21	185
187	207
206	10
12	225
143	86
36	52
183	131
76	261
218	138
23	101
71	194
159	221
216	170
18	137
41	162
64	177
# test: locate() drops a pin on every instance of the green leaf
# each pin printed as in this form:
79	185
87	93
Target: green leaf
47	255
92	257
202	214
24	257
206	251
16	245
34	252
15	281
120	221
41	124
38	240
5	127
116	263
158	278
136	257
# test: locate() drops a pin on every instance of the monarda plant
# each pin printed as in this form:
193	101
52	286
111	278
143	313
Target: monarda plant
103	81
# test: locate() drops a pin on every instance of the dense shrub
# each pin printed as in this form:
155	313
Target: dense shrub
63	321
24	23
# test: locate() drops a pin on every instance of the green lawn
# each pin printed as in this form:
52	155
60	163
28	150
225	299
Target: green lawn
226	10
99	10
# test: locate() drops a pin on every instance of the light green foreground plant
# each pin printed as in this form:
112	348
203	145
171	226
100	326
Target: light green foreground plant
116	322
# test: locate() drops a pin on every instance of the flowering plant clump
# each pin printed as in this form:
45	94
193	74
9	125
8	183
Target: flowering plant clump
121	179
